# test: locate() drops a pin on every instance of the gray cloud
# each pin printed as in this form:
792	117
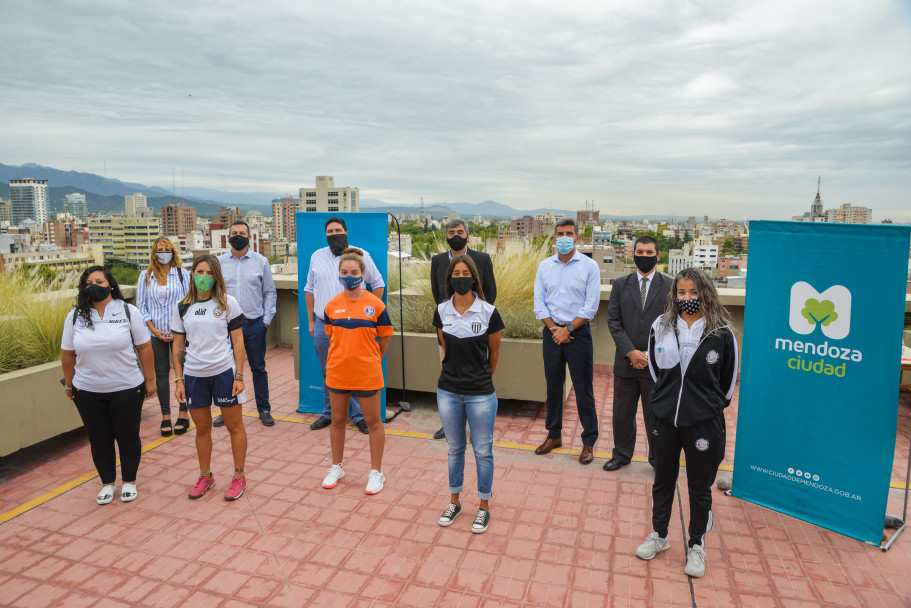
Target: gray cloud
721	108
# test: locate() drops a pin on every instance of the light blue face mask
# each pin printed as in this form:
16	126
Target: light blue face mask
565	244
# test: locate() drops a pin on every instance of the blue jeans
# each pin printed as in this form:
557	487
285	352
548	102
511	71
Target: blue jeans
481	412
255	345
321	341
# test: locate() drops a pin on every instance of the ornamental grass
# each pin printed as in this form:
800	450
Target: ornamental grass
515	275
31	320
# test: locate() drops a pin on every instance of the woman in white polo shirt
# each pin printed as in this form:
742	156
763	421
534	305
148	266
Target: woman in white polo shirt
209	324
102	378
469	329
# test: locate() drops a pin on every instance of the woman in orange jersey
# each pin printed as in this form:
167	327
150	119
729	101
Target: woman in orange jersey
355	319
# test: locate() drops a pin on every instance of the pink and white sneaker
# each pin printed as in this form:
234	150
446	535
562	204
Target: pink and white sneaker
202	486
236	489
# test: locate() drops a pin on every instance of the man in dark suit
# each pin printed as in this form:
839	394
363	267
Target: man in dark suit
636	300
457	238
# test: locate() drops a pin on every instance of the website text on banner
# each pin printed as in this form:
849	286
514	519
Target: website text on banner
366	231
822	340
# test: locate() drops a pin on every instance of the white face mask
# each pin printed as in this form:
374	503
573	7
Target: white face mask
164	257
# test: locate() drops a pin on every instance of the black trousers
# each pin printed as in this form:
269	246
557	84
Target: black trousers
110	417
579	356
162	352
627	393
703	446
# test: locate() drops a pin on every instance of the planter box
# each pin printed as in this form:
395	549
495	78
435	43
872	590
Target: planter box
519	375
33	407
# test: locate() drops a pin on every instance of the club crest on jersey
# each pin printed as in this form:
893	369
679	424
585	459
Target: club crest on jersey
476	327
712	357
368	311
218	313
702	444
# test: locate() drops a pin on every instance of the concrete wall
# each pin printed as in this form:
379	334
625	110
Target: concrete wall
33	407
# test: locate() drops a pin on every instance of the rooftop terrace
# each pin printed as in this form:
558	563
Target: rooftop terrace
561	534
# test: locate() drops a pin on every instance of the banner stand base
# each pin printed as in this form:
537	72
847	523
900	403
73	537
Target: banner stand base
904	509
897	532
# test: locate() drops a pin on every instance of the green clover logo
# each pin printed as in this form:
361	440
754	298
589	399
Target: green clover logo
816	312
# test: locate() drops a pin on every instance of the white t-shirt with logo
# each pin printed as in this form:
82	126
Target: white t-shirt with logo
207	329
105	359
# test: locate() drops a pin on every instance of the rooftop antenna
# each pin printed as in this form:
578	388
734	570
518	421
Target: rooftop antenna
818	184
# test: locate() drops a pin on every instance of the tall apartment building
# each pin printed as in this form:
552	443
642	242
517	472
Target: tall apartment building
587	217
178	219
127	238
326	196
227	216
76	206
284	224
59	232
527	226
28	198
6	210
133	203
849	214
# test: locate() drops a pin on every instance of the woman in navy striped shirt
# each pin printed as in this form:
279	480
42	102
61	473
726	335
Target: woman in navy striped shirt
158	291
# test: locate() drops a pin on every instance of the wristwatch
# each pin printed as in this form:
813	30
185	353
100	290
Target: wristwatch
570	327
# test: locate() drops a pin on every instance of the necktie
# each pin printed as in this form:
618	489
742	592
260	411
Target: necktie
642	291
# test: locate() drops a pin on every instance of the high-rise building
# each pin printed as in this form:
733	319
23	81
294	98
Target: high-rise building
127	238
587	217
284	224
6	210
76	206
178	220
329	198
133	203
227	216
527	226
849	214
28	199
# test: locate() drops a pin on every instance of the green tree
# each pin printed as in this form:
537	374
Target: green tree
124	274
727	247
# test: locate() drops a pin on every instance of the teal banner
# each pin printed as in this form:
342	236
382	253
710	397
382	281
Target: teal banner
818	401
367	231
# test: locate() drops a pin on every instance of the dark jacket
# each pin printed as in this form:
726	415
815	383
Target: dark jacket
439	264
700	394
629	324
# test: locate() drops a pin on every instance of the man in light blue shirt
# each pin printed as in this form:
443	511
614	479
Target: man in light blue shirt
248	277
567	292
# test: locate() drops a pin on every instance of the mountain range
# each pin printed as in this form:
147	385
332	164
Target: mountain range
105	195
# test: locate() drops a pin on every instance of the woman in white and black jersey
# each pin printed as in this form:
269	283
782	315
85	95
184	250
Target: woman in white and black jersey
100	375
208	362
469	330
692	355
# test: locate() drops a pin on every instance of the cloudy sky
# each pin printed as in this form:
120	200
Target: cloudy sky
726	108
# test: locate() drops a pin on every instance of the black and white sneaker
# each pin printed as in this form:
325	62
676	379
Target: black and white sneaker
481	520
449	515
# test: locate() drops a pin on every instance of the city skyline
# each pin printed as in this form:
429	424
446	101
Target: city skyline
659	109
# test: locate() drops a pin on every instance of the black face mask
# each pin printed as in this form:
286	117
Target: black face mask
97	293
457	243
462	285
690	307
645	263
238	242
337	243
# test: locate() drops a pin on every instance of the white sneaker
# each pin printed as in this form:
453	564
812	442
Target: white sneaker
331	479
695	562
128	492
652	546
106	495
375	482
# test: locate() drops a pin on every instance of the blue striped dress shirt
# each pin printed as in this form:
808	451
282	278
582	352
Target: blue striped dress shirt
157	302
566	291
249	279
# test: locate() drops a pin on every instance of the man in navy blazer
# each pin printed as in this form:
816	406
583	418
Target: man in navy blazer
636	300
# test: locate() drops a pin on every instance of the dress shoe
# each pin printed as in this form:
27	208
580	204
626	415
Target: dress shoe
266	418
362	426
613	464
320	423
219	421
586	456
441	434
548	445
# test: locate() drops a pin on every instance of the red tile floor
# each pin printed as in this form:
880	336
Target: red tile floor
561	534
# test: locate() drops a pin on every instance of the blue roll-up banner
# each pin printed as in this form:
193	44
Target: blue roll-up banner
818	402
366	231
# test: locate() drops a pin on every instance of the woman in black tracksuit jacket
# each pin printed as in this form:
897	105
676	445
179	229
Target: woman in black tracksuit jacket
692	355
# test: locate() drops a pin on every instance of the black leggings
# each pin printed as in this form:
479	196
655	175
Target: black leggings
162	352
108	417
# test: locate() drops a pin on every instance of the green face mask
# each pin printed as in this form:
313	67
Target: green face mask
203	283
